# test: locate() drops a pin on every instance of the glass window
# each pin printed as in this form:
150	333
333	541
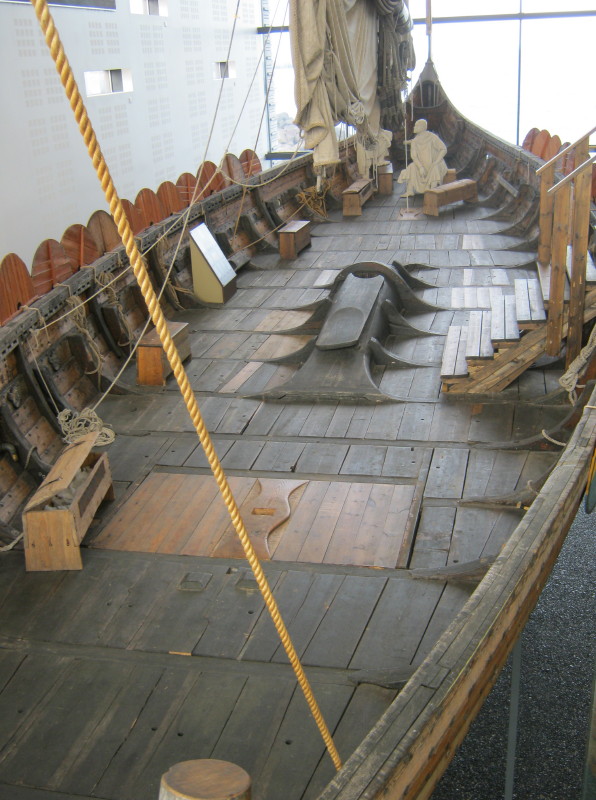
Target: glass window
107	81
555	89
466	8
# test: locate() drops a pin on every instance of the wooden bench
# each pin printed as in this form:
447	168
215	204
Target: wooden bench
449	193
58	515
385	179
355	196
152	365
294	237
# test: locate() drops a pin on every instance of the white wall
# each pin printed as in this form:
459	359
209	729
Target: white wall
149	135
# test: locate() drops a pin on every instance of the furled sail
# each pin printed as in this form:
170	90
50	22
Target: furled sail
351	59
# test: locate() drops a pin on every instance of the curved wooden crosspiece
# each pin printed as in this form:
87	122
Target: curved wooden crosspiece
149	204
80	246
103	229
232	169
186	186
50	266
169	197
209	179
16	286
250	163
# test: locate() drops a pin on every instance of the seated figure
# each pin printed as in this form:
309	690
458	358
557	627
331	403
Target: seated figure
427	168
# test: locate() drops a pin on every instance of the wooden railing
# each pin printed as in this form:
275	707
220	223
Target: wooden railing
564	222
547	180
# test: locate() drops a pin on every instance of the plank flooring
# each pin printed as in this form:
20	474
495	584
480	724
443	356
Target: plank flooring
160	649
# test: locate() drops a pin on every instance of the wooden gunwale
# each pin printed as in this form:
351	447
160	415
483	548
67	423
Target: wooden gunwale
408	750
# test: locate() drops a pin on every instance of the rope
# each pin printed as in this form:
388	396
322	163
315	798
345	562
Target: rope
76	103
14	542
553	441
570	378
76	425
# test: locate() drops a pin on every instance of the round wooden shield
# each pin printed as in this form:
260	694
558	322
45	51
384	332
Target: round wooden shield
51	265
250	163
80	245
16	286
103	229
169	197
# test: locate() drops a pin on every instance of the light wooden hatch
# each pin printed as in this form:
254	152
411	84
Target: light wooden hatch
328	522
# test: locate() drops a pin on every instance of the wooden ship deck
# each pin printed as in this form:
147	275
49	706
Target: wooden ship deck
377	514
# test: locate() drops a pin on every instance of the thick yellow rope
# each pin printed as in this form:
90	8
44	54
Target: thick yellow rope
76	103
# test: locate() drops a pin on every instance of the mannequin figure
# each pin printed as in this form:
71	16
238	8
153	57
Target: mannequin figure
427	168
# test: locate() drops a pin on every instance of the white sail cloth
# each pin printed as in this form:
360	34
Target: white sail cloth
334	49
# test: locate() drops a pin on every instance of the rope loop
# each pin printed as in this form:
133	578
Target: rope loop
76	425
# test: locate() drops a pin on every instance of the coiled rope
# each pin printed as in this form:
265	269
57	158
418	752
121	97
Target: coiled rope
76	103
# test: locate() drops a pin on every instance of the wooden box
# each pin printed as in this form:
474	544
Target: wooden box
355	196
152	365
385	179
213	277
58	515
294	237
450	176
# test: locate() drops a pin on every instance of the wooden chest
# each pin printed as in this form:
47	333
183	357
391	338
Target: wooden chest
355	196
152	365
385	179
58	515
294	237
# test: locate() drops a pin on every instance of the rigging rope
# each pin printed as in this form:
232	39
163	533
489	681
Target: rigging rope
570	378
156	314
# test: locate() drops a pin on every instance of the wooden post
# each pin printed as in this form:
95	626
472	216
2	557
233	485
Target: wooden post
547	179
205	779
579	257
554	330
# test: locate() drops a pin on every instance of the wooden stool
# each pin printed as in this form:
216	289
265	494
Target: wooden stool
385	179
152	365
355	196
294	237
205	779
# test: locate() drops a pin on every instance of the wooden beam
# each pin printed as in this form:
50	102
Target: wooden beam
554	333
547	180
579	257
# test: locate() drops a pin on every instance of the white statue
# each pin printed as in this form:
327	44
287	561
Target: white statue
427	168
